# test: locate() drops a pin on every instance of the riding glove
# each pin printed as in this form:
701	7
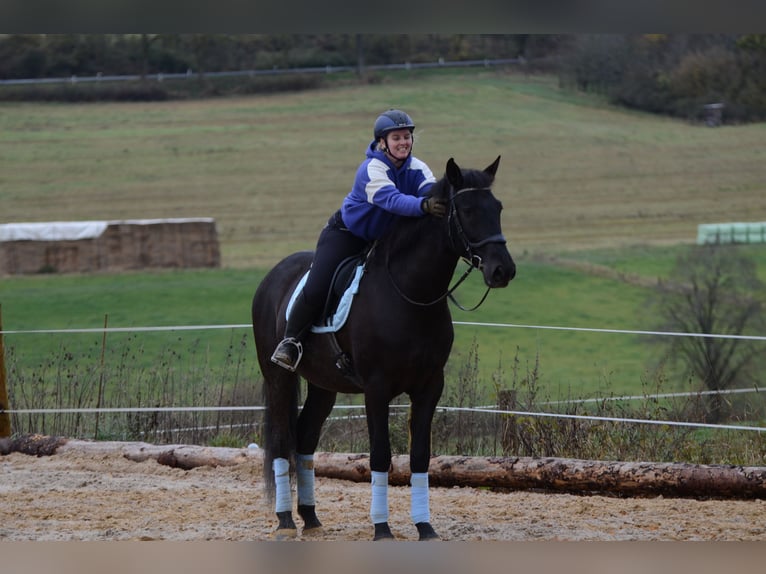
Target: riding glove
433	206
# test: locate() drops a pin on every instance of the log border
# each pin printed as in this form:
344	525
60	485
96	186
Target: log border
574	476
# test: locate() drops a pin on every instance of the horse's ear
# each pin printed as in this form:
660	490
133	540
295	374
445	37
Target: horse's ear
492	169
454	174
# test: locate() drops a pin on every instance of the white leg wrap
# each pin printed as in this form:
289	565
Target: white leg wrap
284	499
305	479
379	504
419	509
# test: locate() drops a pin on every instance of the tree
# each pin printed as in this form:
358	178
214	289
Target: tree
22	56
713	289
146	46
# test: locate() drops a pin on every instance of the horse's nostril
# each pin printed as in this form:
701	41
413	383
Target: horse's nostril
503	274
499	276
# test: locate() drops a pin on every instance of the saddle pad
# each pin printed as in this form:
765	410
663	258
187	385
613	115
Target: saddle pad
338	318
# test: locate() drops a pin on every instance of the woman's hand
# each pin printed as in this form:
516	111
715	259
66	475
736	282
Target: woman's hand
434	206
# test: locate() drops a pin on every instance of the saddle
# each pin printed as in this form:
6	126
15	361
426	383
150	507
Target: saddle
343	287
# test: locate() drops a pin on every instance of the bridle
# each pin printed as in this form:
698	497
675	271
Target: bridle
465	250
467	253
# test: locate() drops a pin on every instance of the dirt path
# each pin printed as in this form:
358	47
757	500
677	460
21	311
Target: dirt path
76	496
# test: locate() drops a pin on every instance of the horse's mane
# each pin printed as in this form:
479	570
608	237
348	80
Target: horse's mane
406	230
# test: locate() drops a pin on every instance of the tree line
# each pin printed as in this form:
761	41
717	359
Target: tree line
674	74
54	55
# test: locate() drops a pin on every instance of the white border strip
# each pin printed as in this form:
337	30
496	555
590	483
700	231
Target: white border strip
656	396
459	323
439	409
608	419
466	409
89	410
621	331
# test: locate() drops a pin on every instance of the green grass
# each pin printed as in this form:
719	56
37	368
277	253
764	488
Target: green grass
573	363
155	299
134	299
577	362
652	262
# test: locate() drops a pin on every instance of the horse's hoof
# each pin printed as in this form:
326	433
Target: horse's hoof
284	534
426	531
383	532
309	516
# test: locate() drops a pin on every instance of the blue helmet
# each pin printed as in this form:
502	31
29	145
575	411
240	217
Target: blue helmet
392	120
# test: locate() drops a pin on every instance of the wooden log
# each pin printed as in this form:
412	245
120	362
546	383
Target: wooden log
564	475
175	455
32	444
182	456
514	473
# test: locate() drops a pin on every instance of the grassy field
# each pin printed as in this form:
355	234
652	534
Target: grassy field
578	179
222	297
571	363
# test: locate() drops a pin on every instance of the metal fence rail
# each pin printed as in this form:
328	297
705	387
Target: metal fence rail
264	72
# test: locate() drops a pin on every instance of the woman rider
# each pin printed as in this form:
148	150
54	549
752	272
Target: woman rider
390	182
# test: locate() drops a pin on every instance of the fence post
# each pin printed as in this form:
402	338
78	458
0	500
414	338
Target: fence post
101	377
713	114
509	441
5	418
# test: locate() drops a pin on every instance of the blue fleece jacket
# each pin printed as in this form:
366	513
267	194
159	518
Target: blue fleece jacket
381	193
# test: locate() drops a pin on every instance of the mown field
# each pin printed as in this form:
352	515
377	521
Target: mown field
579	180
575	174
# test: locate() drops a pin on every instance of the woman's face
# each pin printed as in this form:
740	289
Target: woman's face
399	144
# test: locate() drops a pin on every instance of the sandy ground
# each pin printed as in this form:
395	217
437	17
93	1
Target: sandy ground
76	496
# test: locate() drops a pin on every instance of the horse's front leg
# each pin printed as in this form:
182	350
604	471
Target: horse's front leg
318	406
422	412
376	406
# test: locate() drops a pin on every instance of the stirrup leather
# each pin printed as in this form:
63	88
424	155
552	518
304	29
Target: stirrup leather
288	353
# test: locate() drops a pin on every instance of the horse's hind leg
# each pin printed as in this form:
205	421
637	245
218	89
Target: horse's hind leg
281	399
318	406
286	528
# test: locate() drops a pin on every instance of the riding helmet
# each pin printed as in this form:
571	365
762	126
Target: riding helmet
392	120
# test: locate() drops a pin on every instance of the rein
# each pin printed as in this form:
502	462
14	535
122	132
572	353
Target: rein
473	260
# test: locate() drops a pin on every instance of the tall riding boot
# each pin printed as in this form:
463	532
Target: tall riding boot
290	350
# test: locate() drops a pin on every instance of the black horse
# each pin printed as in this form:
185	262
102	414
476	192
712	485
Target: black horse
397	339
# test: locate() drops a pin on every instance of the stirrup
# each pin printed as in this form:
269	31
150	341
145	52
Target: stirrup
288	353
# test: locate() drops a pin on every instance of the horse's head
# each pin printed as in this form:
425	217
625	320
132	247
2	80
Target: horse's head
474	222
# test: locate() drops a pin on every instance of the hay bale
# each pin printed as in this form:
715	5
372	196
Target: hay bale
86	246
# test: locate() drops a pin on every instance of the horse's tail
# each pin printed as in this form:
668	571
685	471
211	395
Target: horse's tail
280	399
280	387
